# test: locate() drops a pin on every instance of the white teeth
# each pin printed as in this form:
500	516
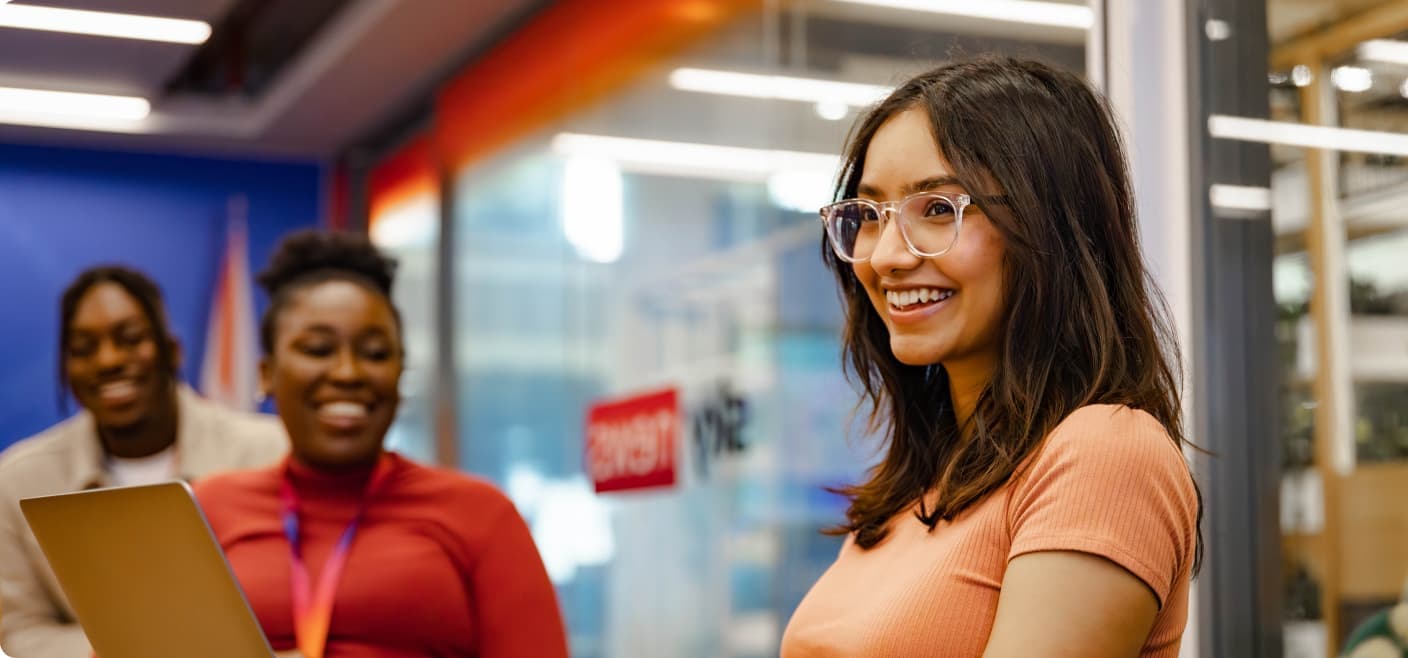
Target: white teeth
903	298
343	409
117	389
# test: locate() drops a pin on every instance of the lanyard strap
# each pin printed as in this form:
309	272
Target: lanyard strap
312	604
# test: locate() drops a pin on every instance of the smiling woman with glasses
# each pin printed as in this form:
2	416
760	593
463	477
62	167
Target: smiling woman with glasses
1032	499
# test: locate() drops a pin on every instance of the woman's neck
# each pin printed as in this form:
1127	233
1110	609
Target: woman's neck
339	479
966	382
306	464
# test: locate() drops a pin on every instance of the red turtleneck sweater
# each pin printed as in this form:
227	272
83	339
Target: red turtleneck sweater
442	564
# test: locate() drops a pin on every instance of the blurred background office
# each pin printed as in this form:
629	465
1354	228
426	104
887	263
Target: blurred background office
606	211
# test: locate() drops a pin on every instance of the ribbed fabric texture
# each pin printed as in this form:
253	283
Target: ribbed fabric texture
1107	481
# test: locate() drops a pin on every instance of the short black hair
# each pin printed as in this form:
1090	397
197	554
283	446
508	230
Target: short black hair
148	296
312	256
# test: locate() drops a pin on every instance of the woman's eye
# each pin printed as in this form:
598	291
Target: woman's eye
938	208
132	338
377	352
315	349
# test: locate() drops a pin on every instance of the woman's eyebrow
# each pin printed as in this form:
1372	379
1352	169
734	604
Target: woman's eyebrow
927	184
931	183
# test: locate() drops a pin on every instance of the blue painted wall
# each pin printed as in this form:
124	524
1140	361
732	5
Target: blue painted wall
62	210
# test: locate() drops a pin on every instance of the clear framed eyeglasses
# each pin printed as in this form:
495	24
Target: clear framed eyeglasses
929	224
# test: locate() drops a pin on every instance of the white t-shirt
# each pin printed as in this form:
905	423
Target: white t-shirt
161	467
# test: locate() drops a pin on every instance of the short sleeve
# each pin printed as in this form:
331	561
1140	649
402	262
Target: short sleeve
1109	481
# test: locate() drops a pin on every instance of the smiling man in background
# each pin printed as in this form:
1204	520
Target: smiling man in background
139	425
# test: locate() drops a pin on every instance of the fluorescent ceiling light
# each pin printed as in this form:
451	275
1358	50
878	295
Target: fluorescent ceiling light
73	123
593	208
63	109
800	191
1299	134
753	85
1052	14
1240	197
832	111
1388	51
104	24
67	103
692	160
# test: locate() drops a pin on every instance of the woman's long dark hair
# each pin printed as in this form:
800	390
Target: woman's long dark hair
1085	323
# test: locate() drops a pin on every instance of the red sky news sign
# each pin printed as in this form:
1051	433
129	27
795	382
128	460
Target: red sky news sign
633	443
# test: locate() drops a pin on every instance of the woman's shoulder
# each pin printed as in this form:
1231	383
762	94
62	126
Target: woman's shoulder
470	509
237	484
1113	429
55	444
1109	448
228	438
451	486
227	422
232	500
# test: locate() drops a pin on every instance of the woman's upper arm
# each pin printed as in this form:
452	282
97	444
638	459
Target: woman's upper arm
1062	604
1104	532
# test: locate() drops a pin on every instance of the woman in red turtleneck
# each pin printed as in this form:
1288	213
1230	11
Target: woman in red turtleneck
349	551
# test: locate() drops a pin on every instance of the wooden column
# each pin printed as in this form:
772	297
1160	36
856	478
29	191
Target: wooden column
1329	312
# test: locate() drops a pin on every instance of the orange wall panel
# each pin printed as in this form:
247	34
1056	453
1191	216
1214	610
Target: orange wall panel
573	54
407	173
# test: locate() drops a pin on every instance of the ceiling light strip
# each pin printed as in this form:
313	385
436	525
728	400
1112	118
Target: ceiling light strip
1244	198
14	100
1388	51
693	160
1052	14
782	87
104	24
1307	136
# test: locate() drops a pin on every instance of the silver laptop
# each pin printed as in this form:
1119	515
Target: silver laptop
144	574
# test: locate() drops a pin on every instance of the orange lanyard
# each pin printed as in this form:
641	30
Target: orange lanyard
312	603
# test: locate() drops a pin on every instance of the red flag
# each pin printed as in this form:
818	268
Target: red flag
229	373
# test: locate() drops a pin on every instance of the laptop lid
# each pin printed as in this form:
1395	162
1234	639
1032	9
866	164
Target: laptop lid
144	574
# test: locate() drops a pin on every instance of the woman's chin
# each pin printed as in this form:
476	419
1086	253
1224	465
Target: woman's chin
340	453
915	351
